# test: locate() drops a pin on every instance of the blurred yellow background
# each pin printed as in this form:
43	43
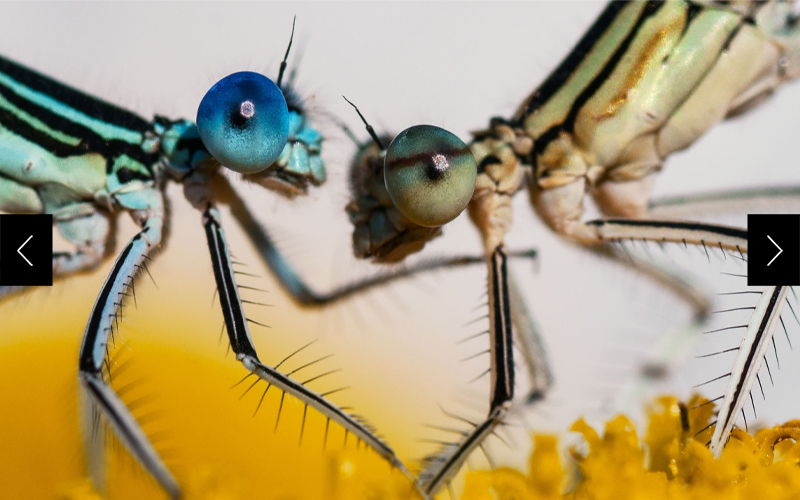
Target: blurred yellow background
172	366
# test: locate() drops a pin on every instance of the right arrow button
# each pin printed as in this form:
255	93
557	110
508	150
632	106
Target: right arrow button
764	231
780	250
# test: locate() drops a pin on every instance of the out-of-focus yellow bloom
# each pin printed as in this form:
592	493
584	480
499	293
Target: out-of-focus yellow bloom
671	462
543	482
178	382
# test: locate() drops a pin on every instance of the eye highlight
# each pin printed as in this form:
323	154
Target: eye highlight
244	122
430	174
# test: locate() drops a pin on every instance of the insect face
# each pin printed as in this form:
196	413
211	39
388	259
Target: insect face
403	194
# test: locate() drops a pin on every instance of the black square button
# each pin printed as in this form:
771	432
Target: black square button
26	250
773	245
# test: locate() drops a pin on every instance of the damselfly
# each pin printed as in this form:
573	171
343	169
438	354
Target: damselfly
645	81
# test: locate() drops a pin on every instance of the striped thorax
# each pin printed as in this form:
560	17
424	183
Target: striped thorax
646	80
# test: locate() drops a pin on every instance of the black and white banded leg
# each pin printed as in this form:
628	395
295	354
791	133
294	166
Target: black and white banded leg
527	335
442	467
94	352
763	321
756	341
242	345
662	231
766	316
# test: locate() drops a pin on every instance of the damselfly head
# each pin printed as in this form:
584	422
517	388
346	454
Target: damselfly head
244	122
402	194
380	230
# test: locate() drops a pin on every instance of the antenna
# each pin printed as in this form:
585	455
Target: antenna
286	56
371	130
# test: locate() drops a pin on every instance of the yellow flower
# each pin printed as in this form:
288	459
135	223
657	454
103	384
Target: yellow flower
671	462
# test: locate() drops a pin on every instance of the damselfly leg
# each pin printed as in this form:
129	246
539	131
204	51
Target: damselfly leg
520	31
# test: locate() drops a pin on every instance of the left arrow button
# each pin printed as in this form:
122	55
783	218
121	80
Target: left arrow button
19	250
26	250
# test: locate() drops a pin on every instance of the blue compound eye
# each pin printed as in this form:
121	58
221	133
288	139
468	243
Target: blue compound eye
244	122
430	174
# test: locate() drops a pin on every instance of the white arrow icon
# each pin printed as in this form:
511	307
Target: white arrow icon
780	250
31	236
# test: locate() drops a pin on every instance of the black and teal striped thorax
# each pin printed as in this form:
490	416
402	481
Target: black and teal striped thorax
67	122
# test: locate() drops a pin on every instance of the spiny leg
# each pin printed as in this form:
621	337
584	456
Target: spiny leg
730	240
691	233
491	211
734	201
528	337
760	328
439	166
94	351
530	343
294	284
373	237
756	341
242	344
442	467
724	202
529	340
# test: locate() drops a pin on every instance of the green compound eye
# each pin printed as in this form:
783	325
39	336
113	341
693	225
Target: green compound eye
430	174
